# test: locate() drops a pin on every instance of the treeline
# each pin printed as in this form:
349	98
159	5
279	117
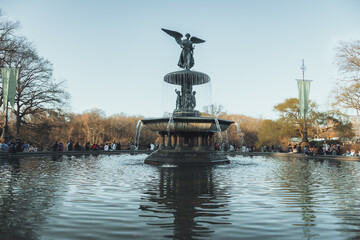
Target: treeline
94	127
91	126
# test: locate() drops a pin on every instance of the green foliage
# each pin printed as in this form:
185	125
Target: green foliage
275	133
318	123
290	115
269	133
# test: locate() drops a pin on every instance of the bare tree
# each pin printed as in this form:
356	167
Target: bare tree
37	91
214	110
347	91
348	59
7	30
347	97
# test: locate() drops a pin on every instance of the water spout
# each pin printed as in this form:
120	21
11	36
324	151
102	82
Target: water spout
218	129
138	137
171	121
240	134
136	130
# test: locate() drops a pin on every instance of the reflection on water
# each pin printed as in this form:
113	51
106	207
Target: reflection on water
187	201
327	193
27	193
119	197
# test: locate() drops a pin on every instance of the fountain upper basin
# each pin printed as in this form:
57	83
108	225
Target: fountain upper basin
186	77
186	124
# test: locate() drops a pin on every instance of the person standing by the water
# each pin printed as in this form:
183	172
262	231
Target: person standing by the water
61	147
55	146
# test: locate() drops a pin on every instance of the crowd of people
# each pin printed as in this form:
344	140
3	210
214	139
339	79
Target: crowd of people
322	149
352	153
70	146
108	146
17	146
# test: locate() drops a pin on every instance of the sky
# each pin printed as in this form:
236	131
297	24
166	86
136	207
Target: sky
114	56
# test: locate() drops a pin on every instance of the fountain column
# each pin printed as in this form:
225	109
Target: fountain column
200	140
178	141
169	140
211	141
175	139
162	140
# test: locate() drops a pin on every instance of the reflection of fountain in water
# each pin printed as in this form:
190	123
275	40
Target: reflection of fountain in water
190	198
218	130
240	134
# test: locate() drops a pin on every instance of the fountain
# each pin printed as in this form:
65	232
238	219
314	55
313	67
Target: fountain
190	137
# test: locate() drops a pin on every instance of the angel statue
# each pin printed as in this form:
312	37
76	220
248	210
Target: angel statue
186	60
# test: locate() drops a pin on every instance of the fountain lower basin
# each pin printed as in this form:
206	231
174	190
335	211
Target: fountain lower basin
186	124
187	140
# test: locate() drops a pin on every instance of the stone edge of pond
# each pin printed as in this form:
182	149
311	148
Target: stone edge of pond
296	155
4	155
71	153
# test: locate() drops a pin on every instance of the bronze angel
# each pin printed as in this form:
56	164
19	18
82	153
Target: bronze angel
186	60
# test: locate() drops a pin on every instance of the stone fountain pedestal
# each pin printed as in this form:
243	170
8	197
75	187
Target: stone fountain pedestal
187	140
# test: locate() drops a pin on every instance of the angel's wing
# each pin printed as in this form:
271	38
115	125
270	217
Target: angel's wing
174	34
196	40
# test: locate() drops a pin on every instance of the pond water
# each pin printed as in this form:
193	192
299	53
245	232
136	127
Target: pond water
120	197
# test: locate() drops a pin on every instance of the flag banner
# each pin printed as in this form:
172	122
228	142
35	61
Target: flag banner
304	90
9	82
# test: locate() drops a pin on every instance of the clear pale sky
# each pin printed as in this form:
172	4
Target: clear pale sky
113	54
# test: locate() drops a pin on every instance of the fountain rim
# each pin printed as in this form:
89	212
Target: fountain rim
187	119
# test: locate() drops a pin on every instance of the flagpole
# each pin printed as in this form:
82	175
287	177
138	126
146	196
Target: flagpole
6	127
9	81
305	138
